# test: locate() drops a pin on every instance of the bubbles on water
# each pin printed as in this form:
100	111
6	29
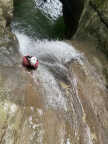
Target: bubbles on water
52	8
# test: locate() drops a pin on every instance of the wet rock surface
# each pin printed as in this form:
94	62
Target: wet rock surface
94	23
13	82
94	102
27	118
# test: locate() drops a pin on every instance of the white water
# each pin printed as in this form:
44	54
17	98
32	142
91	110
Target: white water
52	56
51	8
62	51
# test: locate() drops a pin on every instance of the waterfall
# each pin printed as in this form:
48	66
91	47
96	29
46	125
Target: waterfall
71	96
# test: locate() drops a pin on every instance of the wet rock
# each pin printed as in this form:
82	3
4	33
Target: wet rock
92	95
94	23
7	39
6	12
14	85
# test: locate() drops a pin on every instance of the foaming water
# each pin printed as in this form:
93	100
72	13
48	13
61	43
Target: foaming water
49	87
61	51
52	55
52	8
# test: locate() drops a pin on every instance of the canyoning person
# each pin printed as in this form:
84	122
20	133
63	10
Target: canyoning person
30	62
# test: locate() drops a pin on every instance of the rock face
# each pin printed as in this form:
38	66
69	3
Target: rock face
12	80
6	12
94	23
7	39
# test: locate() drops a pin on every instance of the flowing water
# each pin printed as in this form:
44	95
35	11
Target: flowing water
53	56
71	92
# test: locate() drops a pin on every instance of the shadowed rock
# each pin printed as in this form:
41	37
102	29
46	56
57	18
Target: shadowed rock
72	10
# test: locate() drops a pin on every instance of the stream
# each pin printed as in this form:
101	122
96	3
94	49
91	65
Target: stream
66	96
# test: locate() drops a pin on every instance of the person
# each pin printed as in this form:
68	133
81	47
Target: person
30	62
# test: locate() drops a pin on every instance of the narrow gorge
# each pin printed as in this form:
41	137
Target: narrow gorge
65	100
